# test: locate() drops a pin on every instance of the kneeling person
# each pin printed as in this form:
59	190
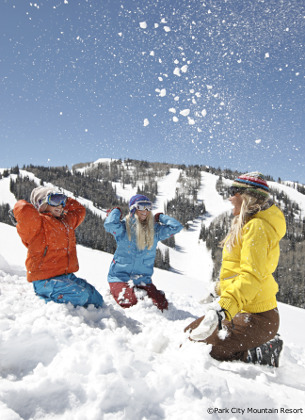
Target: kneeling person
137	236
46	227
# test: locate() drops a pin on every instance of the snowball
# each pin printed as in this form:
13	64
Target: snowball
143	25
146	122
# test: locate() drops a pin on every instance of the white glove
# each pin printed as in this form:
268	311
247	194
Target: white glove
207	299
210	294
208	325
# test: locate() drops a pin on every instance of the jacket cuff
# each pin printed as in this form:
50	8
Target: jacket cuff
229	306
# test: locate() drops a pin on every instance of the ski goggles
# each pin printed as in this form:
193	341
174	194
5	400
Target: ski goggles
142	205
55	200
235	190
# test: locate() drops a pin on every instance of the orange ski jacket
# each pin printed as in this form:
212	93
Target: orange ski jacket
50	241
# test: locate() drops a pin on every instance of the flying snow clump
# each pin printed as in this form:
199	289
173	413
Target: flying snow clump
185	112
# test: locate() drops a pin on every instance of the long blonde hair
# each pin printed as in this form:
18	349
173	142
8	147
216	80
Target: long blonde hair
143	231
250	206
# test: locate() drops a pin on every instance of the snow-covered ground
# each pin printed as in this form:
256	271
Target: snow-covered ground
59	362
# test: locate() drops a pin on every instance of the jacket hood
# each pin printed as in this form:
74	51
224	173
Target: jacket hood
275	217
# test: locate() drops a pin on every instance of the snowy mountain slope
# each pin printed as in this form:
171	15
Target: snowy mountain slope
292	193
60	362
6	197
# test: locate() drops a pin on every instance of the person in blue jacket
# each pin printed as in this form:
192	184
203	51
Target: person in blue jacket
137	236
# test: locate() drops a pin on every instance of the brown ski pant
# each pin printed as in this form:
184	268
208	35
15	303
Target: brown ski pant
247	331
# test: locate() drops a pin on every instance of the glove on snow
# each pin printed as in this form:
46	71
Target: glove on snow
215	314
207	299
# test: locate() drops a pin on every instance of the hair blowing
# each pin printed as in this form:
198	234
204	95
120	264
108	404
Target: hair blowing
144	231
250	206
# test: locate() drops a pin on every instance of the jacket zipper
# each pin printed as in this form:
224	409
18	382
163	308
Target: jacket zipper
232	277
42	258
68	248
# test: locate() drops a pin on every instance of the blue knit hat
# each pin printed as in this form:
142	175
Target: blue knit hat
135	199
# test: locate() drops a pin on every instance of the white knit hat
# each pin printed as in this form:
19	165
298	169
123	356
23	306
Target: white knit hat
39	195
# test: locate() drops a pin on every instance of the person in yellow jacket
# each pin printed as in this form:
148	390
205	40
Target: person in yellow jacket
246	309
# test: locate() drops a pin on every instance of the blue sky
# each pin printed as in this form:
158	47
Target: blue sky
217	83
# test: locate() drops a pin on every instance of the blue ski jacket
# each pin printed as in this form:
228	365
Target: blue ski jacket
130	263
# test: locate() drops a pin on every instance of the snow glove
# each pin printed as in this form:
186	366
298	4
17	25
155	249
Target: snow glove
207	324
157	217
207	299
211	294
110	210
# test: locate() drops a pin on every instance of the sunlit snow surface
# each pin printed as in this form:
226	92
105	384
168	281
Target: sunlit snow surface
59	362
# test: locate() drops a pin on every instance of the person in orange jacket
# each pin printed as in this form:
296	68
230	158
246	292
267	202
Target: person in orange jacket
46	227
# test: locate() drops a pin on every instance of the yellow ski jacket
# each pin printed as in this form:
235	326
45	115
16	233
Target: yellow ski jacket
246	280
